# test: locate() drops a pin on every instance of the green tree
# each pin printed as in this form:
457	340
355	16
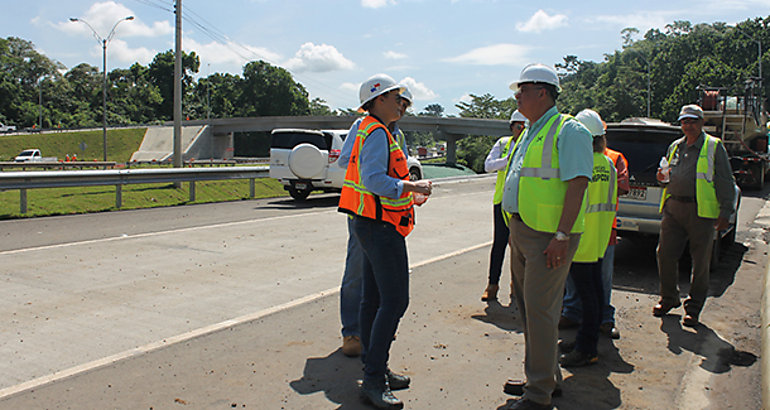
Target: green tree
432	110
161	75
270	90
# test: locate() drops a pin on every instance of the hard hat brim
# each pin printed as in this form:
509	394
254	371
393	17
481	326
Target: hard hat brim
384	90
515	85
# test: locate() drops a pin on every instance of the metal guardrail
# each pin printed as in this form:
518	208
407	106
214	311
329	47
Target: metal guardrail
56	165
60	179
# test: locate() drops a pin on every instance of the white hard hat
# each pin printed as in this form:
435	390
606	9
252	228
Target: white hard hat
537	73
591	120
375	86
407	95
517	117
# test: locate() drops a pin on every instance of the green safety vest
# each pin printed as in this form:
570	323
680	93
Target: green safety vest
705	192
498	198
602	198
541	191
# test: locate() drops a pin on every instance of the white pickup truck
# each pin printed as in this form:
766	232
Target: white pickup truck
33	155
7	128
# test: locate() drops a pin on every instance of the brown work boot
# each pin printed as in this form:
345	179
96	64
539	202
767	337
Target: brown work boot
490	293
351	346
664	306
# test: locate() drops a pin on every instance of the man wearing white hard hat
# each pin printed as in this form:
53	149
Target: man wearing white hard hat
377	194
544	192
586	271
572	312
350	289
497	160
697	198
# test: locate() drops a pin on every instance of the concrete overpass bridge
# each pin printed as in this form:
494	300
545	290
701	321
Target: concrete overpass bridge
214	138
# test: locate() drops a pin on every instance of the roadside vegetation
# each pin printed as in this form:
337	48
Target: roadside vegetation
121	143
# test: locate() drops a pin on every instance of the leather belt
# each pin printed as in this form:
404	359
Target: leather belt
683	198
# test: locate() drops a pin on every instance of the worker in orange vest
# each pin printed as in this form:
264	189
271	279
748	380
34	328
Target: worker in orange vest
380	198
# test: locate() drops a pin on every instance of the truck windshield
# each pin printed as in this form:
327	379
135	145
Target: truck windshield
26	153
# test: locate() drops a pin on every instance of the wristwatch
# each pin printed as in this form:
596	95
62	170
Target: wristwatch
560	236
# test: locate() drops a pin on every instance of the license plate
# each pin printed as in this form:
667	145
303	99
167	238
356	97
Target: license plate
300	185
639	194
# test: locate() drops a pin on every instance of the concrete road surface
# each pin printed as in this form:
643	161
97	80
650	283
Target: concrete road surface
236	306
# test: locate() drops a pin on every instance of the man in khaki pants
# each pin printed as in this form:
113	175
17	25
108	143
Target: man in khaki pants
697	199
544	192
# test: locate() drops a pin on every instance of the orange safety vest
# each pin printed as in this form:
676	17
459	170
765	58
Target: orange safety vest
614	155
356	199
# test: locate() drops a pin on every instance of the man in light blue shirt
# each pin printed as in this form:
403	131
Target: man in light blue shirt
542	247
350	289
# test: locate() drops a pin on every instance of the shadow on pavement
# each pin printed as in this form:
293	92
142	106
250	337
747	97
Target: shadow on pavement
504	317
319	201
335	375
718	355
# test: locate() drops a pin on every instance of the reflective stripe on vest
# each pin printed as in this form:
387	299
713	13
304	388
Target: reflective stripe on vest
356	199
500	182
705	192
600	211
541	192
615	156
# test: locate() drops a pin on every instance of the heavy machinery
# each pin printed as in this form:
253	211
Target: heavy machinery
740	121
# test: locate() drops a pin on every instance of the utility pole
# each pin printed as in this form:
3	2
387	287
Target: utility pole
178	89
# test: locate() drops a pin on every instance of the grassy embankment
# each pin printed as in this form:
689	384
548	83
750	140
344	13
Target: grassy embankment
120	145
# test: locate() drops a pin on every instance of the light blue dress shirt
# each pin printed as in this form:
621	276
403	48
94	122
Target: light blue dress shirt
575	149
347	146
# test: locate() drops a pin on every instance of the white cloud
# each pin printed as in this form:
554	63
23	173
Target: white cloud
375	4
419	90
120	51
542	21
466	98
498	54
350	87
393	55
318	58
103	17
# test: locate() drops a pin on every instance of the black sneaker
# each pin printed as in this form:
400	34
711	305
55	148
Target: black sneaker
396	381
379	396
566	346
576	358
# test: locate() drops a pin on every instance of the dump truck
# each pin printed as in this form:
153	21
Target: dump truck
740	121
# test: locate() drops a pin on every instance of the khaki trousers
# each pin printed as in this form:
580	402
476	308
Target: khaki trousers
680	223
538	292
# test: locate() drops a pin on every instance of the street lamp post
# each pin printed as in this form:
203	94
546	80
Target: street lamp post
103	41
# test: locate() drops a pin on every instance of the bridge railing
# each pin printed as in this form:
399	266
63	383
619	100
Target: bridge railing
60	179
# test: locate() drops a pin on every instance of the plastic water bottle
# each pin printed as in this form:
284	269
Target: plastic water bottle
664	169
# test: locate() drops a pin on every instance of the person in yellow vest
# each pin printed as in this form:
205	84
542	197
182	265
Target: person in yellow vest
572	312
697	199
496	160
586	270
544	192
378	195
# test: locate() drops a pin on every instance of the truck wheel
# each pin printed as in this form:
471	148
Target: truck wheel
299	194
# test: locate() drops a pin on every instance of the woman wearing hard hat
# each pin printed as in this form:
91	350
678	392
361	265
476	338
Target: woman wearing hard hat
377	194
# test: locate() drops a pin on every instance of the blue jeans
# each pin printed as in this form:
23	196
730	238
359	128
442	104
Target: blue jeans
350	290
587	278
385	277
573	310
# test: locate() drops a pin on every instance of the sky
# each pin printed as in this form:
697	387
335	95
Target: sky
443	50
